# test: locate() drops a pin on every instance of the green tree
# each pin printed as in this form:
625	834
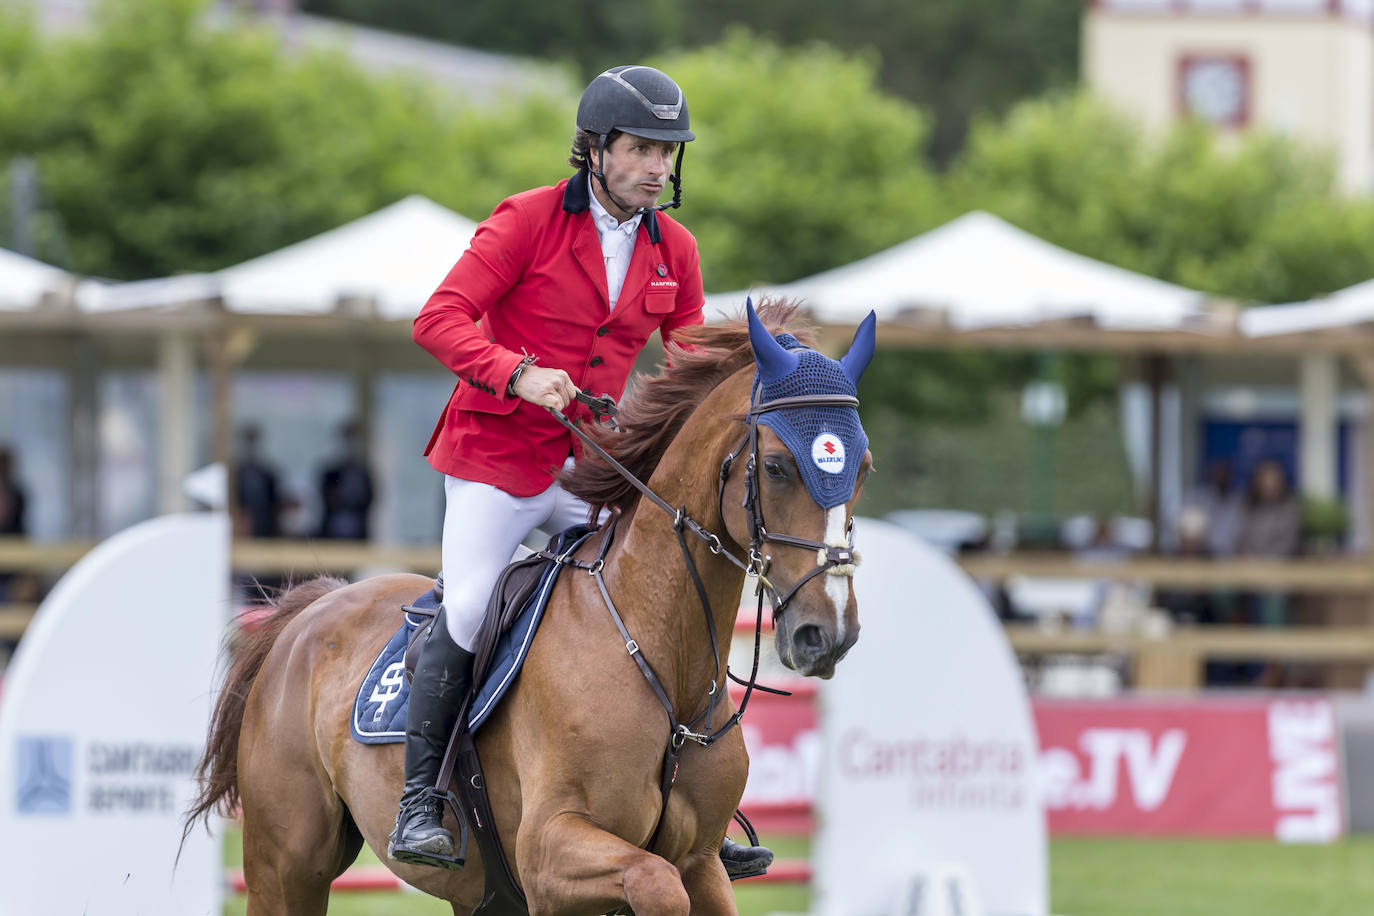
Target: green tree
1256	219
802	163
590	35
955	58
168	145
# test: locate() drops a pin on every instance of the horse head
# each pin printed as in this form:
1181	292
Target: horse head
793	504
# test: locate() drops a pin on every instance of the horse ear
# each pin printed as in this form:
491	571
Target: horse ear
775	360
861	350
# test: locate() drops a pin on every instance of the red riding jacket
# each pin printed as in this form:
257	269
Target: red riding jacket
535	277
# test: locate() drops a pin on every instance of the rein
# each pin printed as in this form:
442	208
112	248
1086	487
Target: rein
833	559
682	525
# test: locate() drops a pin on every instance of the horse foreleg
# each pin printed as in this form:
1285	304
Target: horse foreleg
572	866
708	886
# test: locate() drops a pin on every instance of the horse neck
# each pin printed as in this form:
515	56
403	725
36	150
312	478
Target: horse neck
650	565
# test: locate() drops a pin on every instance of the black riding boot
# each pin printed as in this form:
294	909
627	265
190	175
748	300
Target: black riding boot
744	861
442	677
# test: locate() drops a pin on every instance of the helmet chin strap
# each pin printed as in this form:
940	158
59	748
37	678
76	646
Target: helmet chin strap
674	179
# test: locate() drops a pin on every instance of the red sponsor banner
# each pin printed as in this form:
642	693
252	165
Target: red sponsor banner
1257	766
784	744
1242	767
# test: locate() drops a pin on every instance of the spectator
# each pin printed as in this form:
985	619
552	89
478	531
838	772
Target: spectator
1271	528
346	489
13	500
19	588
1273	517
1222	508
258	501
1190	605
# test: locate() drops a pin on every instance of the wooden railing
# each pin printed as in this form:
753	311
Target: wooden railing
1174	659
15	619
1344	573
275	556
300	558
1177	659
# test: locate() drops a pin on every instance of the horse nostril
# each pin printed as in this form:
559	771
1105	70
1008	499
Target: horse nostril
810	639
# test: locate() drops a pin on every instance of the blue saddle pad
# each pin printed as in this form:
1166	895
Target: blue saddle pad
379	709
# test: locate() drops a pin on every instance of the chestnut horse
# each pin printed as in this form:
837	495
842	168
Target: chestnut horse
572	756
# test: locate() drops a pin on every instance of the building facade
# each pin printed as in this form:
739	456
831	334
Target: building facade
1300	67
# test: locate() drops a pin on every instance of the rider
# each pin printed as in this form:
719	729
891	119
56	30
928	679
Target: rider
568	282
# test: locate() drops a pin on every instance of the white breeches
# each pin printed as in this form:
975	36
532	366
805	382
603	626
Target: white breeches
483	526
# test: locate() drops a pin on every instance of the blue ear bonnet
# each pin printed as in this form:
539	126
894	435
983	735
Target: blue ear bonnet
828	443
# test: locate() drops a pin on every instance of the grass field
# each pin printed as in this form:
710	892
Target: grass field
1088	877
1095	877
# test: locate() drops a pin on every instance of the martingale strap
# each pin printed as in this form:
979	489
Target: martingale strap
678	732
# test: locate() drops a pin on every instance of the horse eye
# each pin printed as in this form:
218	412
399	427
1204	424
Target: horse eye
774	469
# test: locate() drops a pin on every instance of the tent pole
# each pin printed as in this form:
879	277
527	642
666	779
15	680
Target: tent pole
176	376
1155	370
83	424
1363	364
221	416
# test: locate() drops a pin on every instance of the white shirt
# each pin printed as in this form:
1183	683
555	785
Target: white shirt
617	243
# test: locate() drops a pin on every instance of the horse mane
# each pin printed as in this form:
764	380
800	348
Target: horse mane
697	360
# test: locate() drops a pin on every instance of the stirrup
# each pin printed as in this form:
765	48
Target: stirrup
744	861
413	855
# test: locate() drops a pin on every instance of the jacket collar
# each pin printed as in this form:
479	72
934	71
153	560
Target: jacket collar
577	199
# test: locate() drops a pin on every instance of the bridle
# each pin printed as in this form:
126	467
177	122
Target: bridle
831	558
835	559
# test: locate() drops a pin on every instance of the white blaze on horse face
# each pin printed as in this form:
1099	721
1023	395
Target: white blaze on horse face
837	587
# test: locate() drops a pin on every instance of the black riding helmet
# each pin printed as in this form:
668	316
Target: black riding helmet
640	101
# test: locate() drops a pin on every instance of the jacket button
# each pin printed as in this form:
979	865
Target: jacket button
602	331
596	361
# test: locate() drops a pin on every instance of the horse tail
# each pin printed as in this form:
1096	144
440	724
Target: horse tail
218	770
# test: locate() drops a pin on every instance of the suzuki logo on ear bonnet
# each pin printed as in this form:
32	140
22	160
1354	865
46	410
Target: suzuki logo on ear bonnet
828	452
829	434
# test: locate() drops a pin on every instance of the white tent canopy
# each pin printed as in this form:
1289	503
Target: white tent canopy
24	282
393	258
980	271
1343	308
